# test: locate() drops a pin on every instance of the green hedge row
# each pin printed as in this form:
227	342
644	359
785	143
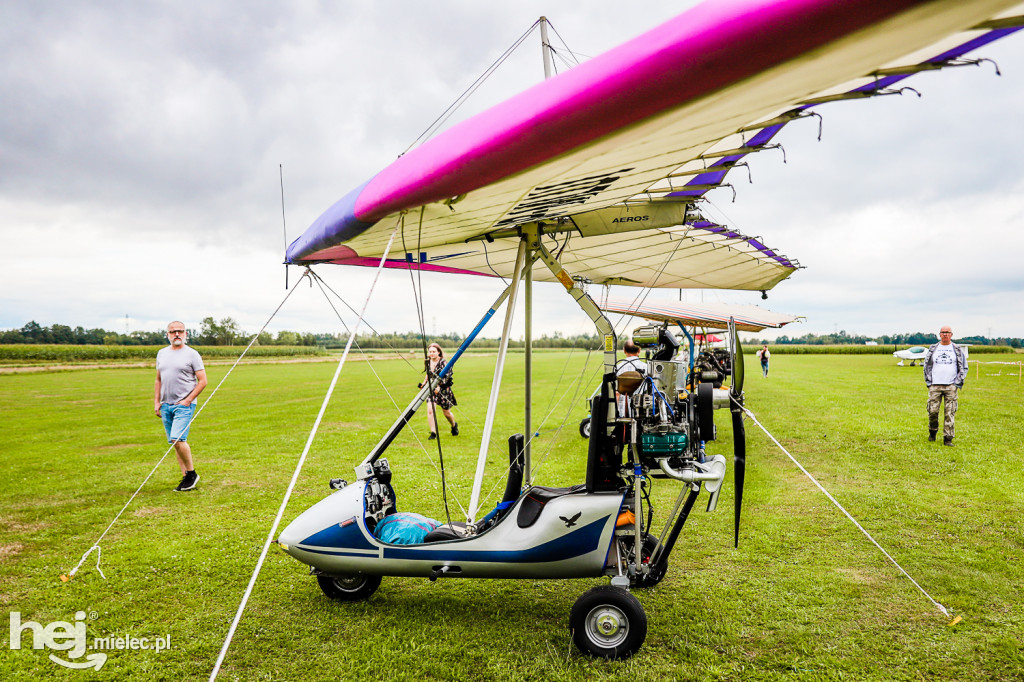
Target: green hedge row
60	353
796	349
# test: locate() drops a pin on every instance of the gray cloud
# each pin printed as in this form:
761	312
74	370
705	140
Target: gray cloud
139	139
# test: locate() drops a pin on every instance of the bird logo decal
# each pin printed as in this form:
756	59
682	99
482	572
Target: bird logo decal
569	523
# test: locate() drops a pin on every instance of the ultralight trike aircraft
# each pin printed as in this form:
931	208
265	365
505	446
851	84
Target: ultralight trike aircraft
599	173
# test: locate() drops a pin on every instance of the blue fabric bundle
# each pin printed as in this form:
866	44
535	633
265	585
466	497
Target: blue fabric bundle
404	528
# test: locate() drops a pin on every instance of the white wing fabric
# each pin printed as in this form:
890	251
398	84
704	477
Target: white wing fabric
614	155
749	318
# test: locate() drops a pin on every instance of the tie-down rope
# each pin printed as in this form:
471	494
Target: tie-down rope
65	577
750	414
298	467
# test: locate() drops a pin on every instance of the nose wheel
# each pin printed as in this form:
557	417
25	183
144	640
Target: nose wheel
349	587
608	622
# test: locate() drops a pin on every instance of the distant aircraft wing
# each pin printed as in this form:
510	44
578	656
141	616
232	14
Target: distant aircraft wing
614	155
749	318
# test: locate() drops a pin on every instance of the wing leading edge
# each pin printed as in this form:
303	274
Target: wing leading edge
615	154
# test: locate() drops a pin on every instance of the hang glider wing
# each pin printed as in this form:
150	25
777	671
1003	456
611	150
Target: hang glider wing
615	155
749	318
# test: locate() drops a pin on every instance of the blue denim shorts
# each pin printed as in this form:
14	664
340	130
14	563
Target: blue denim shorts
177	419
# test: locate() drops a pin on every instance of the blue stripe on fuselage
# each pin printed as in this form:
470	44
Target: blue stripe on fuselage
338	537
569	546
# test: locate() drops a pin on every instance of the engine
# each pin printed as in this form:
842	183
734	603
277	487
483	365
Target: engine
671	404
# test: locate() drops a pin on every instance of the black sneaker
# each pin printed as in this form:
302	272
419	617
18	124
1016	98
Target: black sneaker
188	482
931	436
455	429
947	440
432	436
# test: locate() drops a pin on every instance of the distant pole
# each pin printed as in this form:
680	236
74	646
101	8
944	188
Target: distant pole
126	323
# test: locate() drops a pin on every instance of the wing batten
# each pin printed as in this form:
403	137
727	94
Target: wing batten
624	128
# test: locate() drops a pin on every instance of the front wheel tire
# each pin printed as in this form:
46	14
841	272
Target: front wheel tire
348	587
608	622
585	428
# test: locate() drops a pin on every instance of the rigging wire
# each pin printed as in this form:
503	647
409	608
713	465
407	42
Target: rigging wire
284	223
465	416
487	259
468	92
834	501
298	467
369	363
96	545
398	353
553	404
646	291
417	292
575	59
583	379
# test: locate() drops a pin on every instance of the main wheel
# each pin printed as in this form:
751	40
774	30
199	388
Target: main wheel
348	587
608	622
654	577
585	428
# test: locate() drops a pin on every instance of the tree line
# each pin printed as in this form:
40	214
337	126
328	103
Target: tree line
841	338
210	333
226	332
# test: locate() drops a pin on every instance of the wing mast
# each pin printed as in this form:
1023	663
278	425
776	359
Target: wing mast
545	48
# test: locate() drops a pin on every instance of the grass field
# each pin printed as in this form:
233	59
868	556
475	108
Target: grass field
806	596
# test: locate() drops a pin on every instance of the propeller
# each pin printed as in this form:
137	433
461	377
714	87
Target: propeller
739	436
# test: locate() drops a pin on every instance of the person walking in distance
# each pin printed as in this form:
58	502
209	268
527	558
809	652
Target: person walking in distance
764	355
443	395
180	378
945	368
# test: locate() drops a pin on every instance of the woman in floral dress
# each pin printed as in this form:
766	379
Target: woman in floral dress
443	396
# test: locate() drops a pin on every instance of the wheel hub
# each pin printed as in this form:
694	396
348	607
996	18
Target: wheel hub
607	626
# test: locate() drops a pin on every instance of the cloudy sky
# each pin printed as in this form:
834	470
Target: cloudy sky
140	146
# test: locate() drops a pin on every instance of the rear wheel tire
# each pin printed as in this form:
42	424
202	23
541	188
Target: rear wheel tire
585	428
349	587
706	411
608	622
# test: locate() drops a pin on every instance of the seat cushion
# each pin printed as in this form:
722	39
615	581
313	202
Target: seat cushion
535	500
455	531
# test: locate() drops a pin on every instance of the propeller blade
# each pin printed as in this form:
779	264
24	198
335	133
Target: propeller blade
736	351
739	439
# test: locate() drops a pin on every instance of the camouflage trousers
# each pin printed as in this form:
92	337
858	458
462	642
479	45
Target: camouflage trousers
936	393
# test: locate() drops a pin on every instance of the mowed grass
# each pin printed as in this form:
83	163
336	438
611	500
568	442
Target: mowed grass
806	595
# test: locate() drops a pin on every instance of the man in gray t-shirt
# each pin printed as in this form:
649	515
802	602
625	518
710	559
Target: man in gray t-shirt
180	378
